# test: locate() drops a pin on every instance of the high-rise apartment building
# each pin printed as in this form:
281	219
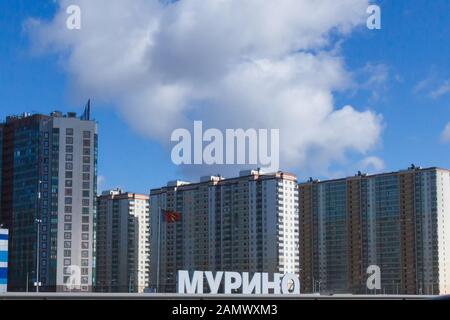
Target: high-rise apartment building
3	260
48	188
122	242
243	224
397	221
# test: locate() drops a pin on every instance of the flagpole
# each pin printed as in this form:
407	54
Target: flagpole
159	249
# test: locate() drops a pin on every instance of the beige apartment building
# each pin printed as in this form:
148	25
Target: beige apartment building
399	221
243	224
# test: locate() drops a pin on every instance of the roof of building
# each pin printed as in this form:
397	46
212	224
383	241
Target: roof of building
219	180
361	175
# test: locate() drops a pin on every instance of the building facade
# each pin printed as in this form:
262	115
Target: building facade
48	189
397	221
243	224
122	242
3	260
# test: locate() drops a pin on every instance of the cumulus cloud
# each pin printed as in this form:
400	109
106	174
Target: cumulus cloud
372	163
231	63
445	136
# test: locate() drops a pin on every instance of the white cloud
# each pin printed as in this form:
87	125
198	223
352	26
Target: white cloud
433	85
374	78
377	74
422	85
445	136
101	182
442	90
372	163
230	63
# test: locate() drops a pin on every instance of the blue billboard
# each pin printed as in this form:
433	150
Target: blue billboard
3	260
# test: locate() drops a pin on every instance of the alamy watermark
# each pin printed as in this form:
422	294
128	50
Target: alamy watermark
374	279
73	21
236	146
374	19
73	281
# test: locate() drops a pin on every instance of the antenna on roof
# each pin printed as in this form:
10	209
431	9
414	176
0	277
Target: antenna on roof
87	111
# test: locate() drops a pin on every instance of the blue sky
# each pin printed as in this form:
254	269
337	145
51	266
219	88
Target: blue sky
413	44
409	56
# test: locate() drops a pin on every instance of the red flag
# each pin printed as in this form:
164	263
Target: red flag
171	216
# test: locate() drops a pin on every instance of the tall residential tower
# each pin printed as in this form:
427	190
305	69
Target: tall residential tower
123	233
397	221
243	224
48	188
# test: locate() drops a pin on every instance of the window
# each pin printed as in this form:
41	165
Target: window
85	228
85	254
69	131
68	192
67	253
86	159
67	218
67	244
67	226
67	262
85	202
86	185
85	210
85	236
69	174
69	149
67	209
69	157
69	183
87	143
86	168
86	134
86	176
85	245
67	235
68	200
84	262
69	166
85	219
69	140
86	152
86	193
